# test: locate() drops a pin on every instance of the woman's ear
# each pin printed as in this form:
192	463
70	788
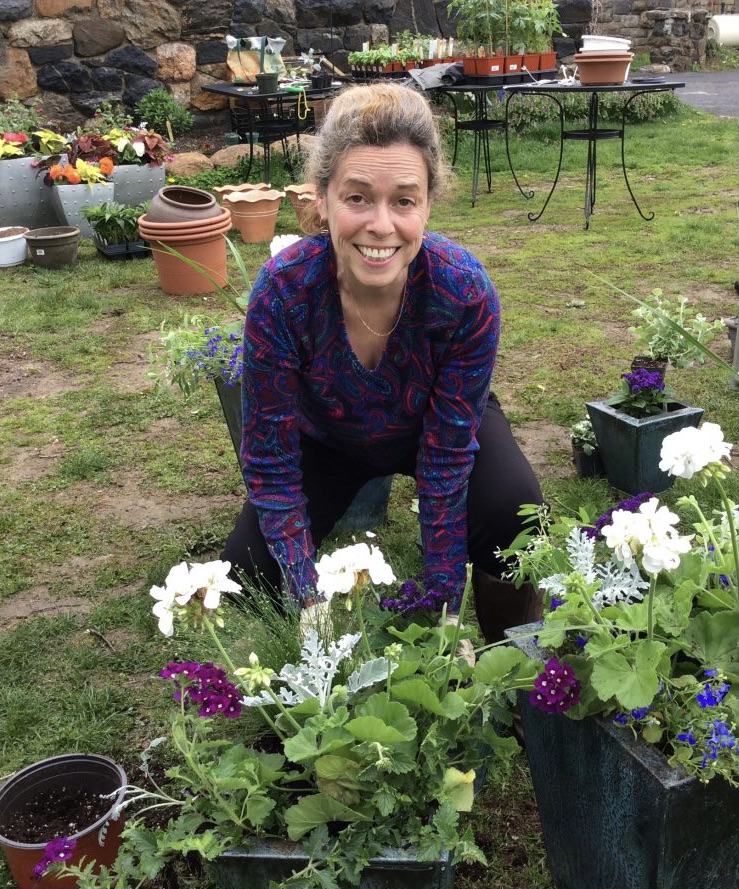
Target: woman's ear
321	207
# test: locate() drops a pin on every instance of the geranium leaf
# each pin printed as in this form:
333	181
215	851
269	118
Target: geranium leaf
632	685
458	789
390	719
712	637
370	728
417	691
496	663
338	768
311	811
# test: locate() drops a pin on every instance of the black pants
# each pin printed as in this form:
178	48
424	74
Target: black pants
501	481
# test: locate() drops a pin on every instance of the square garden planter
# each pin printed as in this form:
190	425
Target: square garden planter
630	447
615	815
255	867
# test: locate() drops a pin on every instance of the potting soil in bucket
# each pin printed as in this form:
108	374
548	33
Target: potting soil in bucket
60	797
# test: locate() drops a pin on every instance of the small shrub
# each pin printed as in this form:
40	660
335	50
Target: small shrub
16	117
162	113
109	117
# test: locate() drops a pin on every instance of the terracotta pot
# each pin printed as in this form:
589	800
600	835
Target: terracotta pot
547	61
198	264
53	247
13	246
148	227
301	197
602	68
513	64
254	213
489	66
181	203
54	776
222	190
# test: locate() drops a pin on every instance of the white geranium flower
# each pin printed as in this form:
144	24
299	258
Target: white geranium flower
213	578
162	609
339	572
689	450
651	532
180	583
232	42
279	242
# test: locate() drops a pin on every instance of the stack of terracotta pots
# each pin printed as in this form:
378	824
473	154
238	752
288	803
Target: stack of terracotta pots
603	60
185	228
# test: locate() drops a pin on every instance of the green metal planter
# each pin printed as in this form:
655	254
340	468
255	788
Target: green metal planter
630	448
255	867
615	815
368	509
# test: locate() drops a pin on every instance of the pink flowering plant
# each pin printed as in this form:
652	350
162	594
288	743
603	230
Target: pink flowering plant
372	737
642	623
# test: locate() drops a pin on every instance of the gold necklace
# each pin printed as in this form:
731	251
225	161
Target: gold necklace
397	320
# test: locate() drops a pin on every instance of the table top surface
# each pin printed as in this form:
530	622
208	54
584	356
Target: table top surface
247	91
548	86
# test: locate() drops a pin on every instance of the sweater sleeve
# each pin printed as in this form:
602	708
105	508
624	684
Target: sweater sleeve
270	446
448	442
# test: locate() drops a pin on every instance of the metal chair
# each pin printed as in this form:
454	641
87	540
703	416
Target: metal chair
263	120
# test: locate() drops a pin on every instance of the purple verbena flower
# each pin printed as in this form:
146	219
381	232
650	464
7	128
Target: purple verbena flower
556	689
206	685
639	713
630	504
58	849
554	603
411	596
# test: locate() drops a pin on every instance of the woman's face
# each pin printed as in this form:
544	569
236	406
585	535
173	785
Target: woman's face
376	206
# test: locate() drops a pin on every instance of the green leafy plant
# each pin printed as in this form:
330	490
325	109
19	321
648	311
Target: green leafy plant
137	146
582	436
376	738
115	223
110	116
162	113
660	333
646	617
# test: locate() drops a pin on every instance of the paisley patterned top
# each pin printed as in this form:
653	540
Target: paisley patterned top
424	398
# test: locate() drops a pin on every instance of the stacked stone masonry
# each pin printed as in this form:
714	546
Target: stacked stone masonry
70	55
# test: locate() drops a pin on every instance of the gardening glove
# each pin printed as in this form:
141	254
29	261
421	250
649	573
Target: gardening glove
316	616
466	649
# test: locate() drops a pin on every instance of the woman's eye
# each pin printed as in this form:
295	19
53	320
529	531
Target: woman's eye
406	202
354	199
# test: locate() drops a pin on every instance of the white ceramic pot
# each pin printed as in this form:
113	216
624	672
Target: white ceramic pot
13	245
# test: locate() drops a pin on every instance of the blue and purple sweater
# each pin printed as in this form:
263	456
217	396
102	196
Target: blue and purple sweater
425	397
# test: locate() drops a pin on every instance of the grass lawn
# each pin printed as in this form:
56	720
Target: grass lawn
104	484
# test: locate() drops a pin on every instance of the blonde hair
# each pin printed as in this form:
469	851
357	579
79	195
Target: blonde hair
374	114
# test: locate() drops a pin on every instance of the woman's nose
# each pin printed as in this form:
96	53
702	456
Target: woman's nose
381	221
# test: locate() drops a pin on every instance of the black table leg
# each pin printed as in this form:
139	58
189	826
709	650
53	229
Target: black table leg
631	98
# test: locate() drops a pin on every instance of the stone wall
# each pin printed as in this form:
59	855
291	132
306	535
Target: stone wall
671	32
71	54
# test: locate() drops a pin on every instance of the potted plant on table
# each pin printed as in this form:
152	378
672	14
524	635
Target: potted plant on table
371	741
481	24
629	428
631	727
115	230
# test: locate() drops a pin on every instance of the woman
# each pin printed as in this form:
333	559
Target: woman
369	349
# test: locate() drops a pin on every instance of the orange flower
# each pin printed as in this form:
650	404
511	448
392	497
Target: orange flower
106	165
73	176
55	171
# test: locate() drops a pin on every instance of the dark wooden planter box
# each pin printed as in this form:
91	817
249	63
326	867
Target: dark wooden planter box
630	447
255	867
615	815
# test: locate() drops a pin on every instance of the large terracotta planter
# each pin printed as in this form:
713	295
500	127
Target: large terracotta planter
603	69
136	183
181	203
222	190
53	779
630	447
70	200
24	199
191	259
254	213
615	815
176	229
